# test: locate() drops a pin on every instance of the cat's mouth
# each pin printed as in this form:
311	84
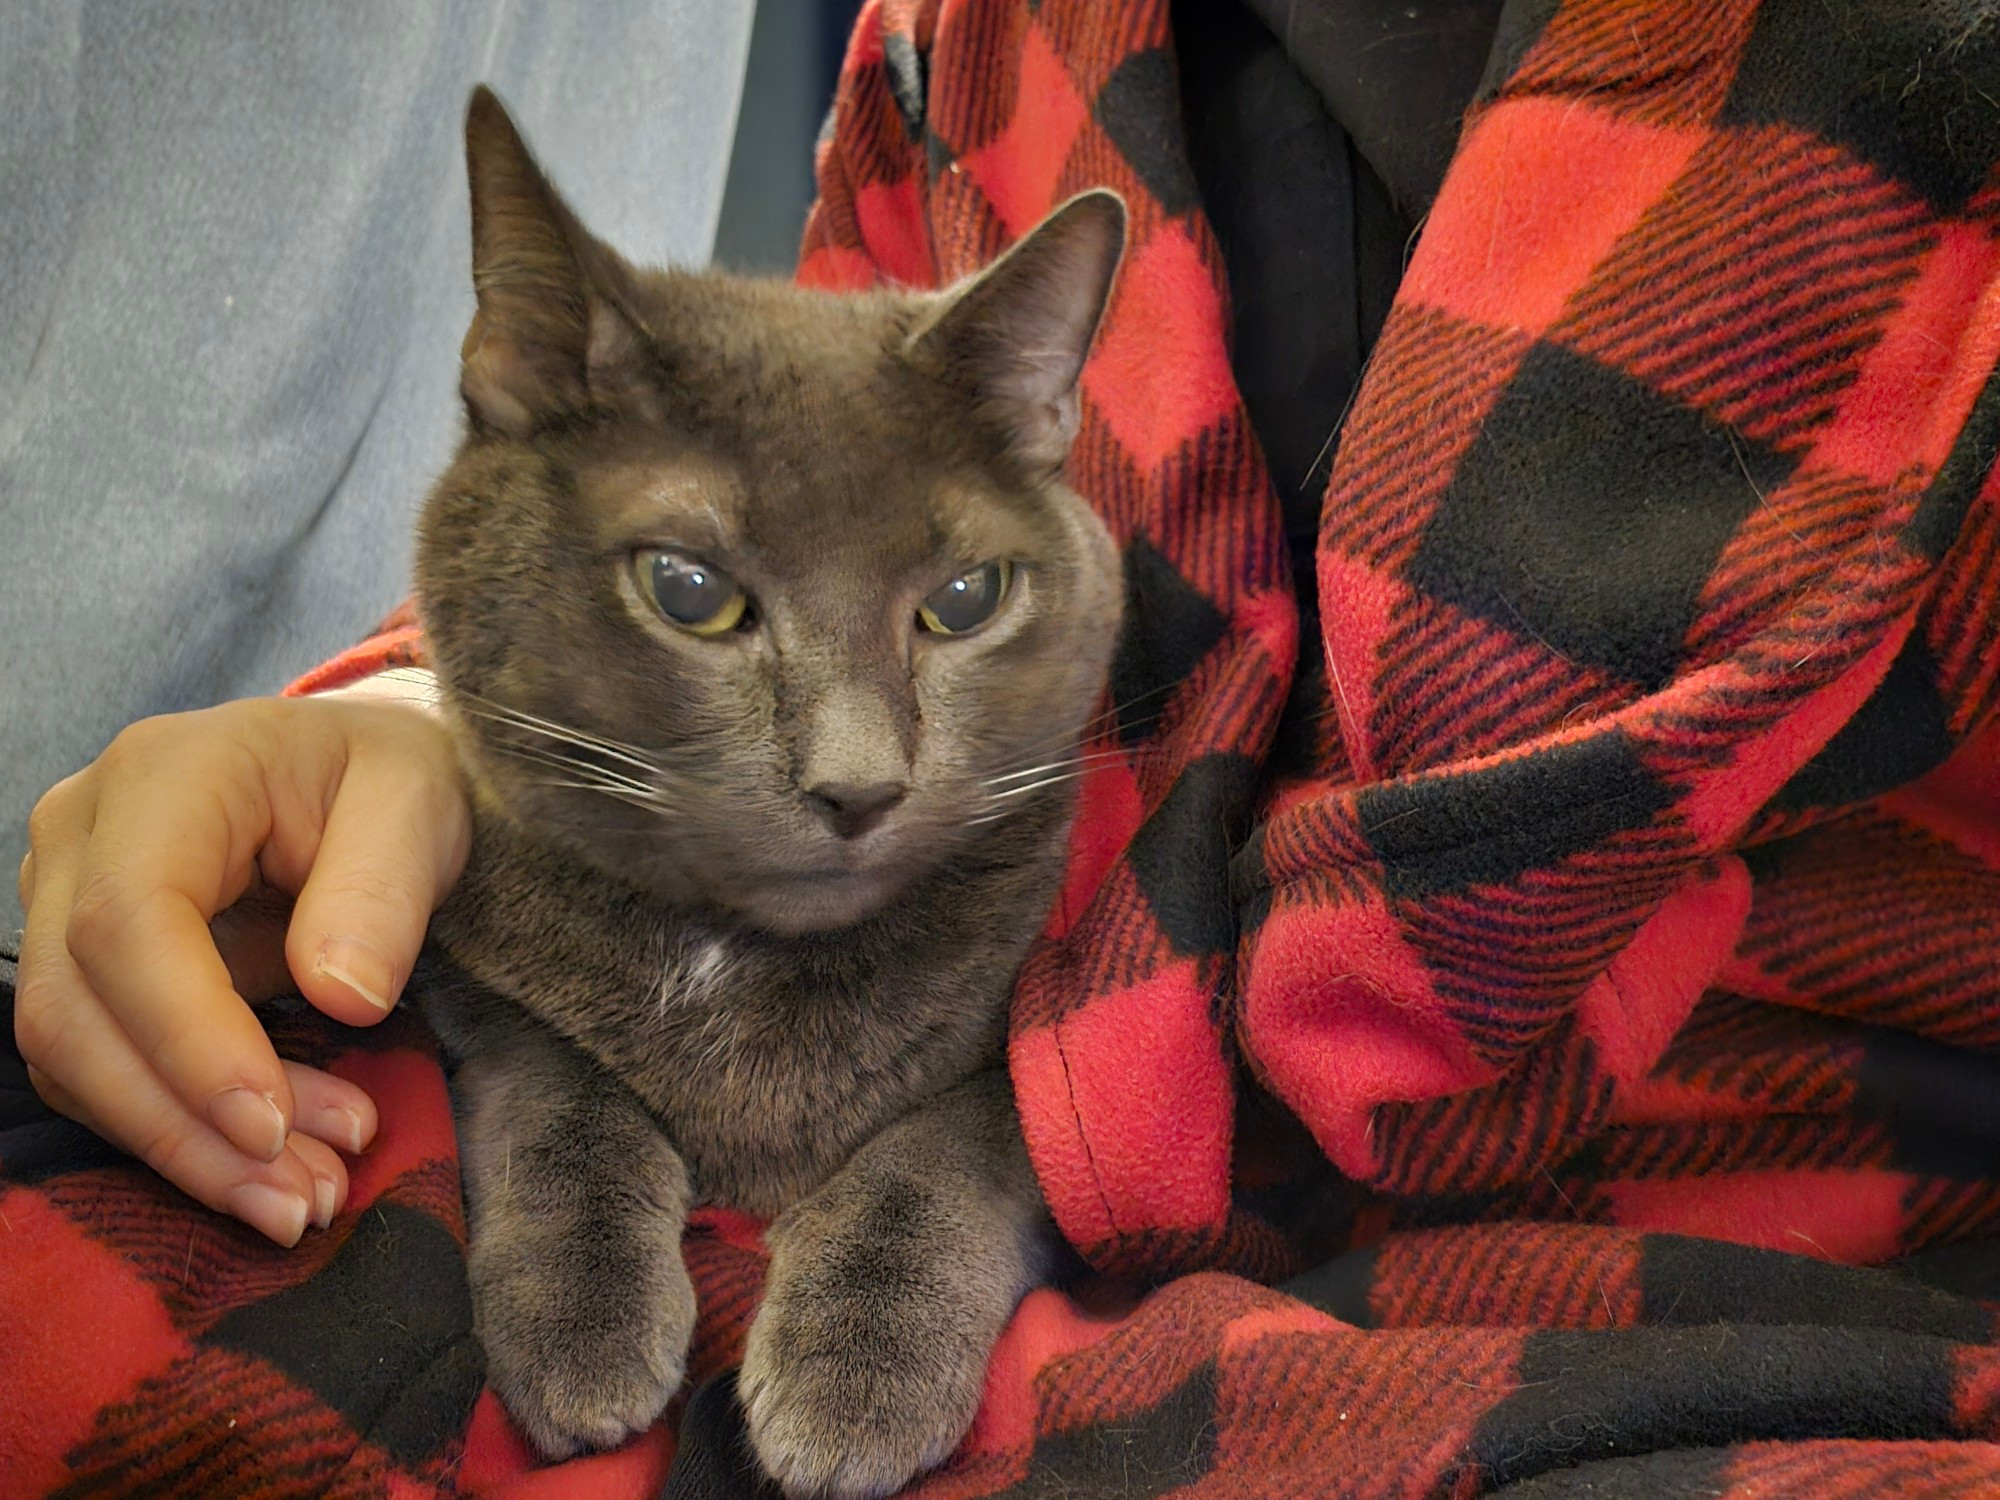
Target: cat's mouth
823	897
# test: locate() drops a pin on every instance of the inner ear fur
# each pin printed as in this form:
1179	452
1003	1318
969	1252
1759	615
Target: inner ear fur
553	328
1015	337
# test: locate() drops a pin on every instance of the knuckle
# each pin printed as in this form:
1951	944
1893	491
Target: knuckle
163	1144
38	1020
141	741
51	813
101	911
32	1034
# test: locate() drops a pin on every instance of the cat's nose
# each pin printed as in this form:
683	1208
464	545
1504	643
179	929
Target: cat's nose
850	809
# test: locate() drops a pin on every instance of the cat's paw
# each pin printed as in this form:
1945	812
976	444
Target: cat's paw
584	1355
840	1406
863	1370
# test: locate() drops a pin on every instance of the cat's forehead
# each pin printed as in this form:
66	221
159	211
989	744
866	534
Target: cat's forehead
790	423
741	337
902	515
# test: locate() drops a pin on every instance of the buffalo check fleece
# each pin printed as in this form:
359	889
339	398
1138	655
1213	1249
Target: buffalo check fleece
1522	1021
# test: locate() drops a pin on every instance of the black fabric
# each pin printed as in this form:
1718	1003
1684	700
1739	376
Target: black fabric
1318	133
1901	732
1180	855
712	1457
1396	75
1542	528
1495	824
401	1274
1169	626
1583	1397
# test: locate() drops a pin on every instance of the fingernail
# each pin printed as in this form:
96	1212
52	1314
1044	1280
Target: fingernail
349	1123
353	963
251	1120
322	1202
270	1211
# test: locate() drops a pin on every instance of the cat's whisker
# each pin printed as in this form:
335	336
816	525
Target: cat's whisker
1035	786
1046	766
601	774
1102	719
1000	803
1079	756
503	713
576	742
648	804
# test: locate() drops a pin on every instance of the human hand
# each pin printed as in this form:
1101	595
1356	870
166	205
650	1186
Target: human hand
130	1007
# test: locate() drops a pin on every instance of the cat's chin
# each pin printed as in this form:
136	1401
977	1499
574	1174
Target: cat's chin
795	905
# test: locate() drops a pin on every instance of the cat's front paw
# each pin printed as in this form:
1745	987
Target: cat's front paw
865	1364
845	1402
583	1353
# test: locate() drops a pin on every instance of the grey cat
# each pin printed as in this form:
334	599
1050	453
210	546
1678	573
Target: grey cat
768	632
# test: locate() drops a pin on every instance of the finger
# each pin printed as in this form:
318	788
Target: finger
391	848
171	844
58	825
60	1099
331	1109
342	1115
329	1176
116	1095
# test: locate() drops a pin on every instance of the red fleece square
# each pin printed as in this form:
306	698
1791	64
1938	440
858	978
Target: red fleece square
1540	192
1017	172
115	1332
1166	299
1885	422
1131	1089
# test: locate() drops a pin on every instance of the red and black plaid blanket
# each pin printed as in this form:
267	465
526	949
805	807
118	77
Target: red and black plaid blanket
1480	1048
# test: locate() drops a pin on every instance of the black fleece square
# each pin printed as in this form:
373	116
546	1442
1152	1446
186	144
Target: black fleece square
1909	86
1589	513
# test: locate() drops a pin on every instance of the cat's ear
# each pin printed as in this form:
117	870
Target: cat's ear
1015	337
552	327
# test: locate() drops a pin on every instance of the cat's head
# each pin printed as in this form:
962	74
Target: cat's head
759	598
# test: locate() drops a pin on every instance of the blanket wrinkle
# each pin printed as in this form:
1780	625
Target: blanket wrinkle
1523	1018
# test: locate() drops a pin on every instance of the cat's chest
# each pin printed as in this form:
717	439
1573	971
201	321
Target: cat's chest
767	1079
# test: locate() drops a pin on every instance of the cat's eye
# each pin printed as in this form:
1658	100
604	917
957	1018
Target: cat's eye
968	601
701	599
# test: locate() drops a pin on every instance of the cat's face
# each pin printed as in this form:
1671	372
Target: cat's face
763	599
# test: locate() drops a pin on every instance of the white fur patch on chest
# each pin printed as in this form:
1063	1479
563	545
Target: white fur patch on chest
697	978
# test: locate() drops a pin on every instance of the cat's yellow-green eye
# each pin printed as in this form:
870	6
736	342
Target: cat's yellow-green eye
700	599
968	601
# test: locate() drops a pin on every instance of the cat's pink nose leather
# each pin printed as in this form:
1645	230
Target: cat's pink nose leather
850	810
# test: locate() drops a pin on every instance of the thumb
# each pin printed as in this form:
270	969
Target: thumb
395	840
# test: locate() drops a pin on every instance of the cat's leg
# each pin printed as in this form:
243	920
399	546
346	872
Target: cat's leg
577	1204
887	1290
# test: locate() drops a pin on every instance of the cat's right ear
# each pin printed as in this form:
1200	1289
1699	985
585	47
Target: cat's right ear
551	323
1016	336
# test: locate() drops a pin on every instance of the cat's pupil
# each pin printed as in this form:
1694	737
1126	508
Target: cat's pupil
695	594
967	601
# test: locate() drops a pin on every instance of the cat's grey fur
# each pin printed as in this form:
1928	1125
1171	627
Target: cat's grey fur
666	977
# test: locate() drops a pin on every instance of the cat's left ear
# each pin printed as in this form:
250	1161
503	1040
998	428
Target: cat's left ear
552	333
1015	337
